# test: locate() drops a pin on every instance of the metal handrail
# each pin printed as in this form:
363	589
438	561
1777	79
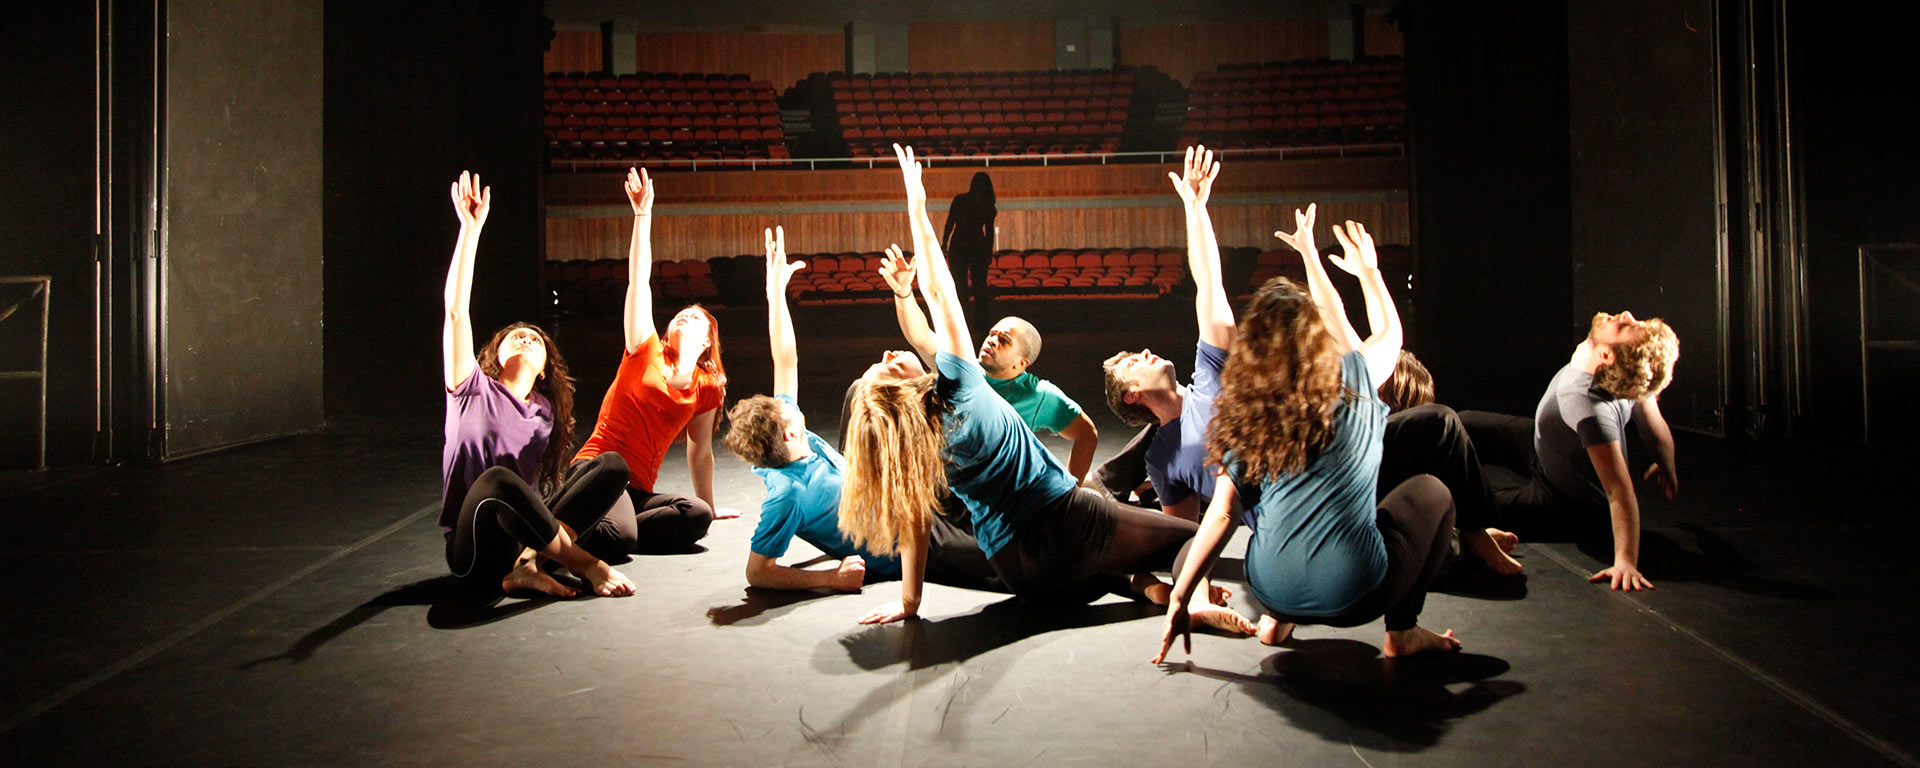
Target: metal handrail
44	290
1078	158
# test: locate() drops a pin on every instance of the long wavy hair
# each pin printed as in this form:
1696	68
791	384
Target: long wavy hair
896	463
1280	388
557	386
709	360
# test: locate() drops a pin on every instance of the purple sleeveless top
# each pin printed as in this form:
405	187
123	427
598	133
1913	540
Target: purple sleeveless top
488	427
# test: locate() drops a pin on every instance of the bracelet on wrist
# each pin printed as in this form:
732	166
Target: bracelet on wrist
907	295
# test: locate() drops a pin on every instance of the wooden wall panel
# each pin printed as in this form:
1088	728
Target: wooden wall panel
980	46
1181	50
678	237
573	51
1383	39
782	58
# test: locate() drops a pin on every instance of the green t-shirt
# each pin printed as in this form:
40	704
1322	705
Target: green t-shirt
1040	404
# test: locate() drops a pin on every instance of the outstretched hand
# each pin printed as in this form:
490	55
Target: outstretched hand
888	614
910	173
1358	246
1302	237
1179	624
897	269
1197	184
640	192
1623	577
779	270
471	201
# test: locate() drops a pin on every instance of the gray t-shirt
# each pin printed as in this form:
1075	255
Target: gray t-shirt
1573	415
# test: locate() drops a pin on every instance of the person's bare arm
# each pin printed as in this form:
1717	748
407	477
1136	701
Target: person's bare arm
913	576
700	460
930	265
1333	311
897	270
1382	347
1659	440
1624	508
786	355
471	202
1210	307
1086	440
638	317
764	572
1207	543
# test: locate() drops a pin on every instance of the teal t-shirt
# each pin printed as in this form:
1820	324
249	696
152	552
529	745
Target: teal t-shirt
803	499
994	463
1315	549
1040	404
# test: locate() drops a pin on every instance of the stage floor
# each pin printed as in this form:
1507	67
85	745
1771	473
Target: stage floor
286	604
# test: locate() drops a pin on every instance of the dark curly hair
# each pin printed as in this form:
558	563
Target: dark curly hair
558	389
1133	414
1280	388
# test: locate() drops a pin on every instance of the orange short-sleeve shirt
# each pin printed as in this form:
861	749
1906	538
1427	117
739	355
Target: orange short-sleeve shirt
642	414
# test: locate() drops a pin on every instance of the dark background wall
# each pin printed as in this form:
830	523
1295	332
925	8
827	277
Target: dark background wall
1645	188
242	312
415	93
47	222
1488	135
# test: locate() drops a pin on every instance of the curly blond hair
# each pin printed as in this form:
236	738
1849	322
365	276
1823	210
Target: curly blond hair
758	432
896	464
1642	368
1280	388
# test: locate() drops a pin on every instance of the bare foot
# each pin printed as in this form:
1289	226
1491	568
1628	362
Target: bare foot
1274	631
1217	594
526	576
1419	640
1507	541
1222	619
606	581
1152	588
1484	546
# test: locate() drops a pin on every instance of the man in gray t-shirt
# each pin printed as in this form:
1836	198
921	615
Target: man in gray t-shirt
1571	451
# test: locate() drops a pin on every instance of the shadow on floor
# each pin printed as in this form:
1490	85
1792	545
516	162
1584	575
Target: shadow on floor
755	602
450	605
1710	559
1344	690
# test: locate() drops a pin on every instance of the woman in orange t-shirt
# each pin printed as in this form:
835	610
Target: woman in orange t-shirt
665	388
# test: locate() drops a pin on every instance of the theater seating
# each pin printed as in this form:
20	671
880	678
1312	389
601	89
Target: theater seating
598	286
990	113
1348	107
603	121
1033	274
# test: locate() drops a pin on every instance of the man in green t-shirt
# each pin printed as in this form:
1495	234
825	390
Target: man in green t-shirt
1005	354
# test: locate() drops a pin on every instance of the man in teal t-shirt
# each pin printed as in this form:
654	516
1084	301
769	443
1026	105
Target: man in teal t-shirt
1005	355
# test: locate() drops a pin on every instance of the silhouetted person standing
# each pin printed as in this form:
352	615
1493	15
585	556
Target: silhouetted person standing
968	241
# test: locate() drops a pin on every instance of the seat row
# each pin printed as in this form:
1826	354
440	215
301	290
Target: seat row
756	107
770	123
987	106
654	80
938	80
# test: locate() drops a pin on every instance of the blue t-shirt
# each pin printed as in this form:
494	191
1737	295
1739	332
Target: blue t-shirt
803	499
1177	457
994	463
1315	549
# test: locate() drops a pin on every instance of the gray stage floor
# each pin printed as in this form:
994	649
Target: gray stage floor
286	604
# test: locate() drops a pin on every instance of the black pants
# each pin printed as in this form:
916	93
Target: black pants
1432	440
969	266
666	523
1522	498
1415	521
1085	544
1126	470
502	515
953	554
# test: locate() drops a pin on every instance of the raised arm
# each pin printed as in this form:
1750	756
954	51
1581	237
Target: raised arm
1658	438
896	269
639	310
1382	348
1333	311
470	203
936	282
1210	305
786	355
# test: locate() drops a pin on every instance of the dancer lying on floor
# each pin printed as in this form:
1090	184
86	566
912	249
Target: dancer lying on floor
1427	439
1297	430
1046	538
1143	389
803	476
507	430
664	389
1571	452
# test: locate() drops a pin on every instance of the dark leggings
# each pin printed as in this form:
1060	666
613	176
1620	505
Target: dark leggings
1084	545
1524	500
953	554
1414	521
1432	440
1127	469
667	523
502	515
